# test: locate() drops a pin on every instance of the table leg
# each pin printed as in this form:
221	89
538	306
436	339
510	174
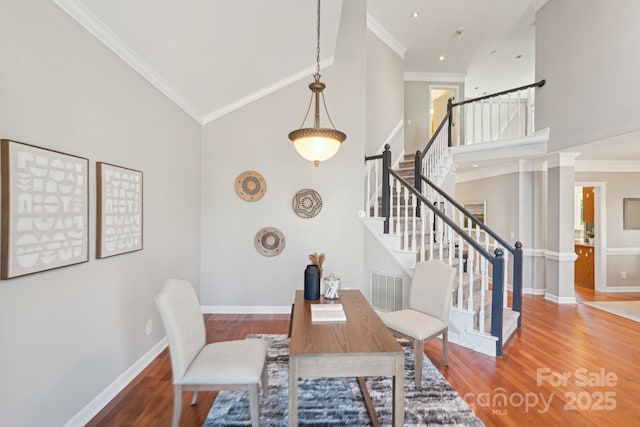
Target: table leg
398	392
293	391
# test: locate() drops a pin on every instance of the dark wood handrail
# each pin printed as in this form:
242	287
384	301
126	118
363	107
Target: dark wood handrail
433	137
504	92
484	227
376	157
485	253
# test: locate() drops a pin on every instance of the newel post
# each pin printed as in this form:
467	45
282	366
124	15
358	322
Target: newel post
449	125
497	299
517	282
417	177
386	190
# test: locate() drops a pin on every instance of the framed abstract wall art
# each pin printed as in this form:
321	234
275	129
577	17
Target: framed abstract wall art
119	210
45	209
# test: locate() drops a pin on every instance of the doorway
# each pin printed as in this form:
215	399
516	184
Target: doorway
590	234
438	98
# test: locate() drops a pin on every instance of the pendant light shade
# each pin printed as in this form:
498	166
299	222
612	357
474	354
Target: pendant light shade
315	143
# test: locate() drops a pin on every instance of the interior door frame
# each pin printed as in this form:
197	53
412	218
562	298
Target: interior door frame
457	119
600	231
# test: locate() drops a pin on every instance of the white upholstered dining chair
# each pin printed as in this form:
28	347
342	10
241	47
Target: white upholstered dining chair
227	365
428	314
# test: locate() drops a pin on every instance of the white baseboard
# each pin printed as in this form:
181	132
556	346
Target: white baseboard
560	300
620	289
107	395
246	309
534	291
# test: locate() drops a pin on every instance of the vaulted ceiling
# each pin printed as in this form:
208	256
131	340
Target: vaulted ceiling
210	56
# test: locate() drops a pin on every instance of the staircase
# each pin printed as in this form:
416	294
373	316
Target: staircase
415	219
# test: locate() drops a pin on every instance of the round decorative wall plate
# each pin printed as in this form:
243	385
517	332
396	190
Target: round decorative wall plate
269	241
307	203
250	186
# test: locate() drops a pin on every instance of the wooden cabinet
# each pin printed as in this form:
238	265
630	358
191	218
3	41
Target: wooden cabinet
584	274
587	205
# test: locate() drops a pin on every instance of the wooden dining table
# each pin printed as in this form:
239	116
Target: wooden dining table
360	347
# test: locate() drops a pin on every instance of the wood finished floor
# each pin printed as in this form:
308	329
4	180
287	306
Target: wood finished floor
588	344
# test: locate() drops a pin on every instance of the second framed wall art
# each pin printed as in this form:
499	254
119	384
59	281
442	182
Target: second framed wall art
119	210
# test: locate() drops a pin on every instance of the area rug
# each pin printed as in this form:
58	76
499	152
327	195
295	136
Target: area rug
339	402
627	309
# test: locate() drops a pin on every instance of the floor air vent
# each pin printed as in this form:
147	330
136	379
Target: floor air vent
387	291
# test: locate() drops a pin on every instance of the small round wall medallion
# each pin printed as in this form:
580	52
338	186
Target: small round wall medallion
250	186
307	203
269	241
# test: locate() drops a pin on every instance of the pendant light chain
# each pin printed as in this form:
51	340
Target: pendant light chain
317	76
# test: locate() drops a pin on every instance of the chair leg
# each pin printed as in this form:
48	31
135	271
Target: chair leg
177	405
265	379
194	399
445	340
254	405
418	354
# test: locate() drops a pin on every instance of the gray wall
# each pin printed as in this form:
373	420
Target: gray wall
255	138
501	195
67	334
585	98
416	109
385	93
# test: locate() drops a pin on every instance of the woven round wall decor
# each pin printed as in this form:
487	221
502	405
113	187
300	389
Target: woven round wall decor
269	241
307	203
250	186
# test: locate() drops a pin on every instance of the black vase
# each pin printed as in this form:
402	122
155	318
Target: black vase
312	282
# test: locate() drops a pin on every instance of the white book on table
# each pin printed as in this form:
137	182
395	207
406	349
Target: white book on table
321	313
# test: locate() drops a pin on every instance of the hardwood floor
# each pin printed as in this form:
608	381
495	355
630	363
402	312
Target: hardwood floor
598	353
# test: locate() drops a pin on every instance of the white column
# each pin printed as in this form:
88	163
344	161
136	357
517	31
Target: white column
560	252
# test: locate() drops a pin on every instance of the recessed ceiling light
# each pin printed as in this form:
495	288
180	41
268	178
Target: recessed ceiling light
493	52
459	31
519	56
475	166
484	93
477	87
441	57
415	13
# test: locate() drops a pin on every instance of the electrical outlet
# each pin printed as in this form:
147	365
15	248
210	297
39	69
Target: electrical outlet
623	275
149	327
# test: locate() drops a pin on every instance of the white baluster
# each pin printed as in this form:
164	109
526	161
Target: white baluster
505	278
391	191
460	269
470	273
491	119
376	172
509	114
484	283
397	202
423	213
406	219
519	104
482	138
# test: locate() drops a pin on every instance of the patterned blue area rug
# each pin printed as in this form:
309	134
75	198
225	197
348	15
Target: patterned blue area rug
338	401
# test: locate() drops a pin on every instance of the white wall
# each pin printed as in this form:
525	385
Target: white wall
255	138
385	93
586	50
67	334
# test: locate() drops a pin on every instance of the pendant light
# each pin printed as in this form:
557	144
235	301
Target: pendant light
317	144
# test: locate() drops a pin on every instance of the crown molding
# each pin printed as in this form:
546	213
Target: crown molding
95	26
411	76
377	29
264	92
